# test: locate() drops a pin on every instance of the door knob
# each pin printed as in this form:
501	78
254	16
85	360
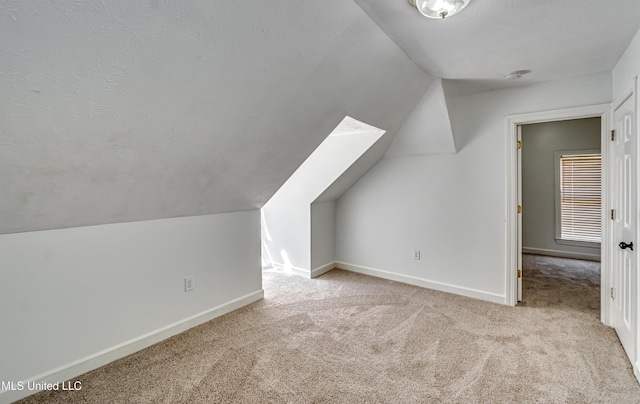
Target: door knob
624	245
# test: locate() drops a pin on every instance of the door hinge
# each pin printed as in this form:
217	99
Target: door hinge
519	208
613	135
519	273
519	145
613	214
613	293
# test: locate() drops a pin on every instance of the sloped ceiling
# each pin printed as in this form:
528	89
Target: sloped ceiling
427	130
474	50
329	162
122	111
361	162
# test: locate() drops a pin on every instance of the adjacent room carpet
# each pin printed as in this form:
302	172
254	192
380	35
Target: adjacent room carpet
351	338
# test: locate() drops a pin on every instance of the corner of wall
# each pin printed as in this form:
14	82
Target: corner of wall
428	129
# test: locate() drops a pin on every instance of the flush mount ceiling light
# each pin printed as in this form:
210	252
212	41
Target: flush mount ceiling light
439	8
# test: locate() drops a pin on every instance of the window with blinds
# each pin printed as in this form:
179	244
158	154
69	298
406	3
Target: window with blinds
580	197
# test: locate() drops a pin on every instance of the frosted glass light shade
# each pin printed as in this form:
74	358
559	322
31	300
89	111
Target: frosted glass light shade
440	8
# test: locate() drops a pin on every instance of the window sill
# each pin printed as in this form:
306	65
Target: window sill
588	244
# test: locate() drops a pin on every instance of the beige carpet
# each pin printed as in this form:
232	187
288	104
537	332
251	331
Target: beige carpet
350	338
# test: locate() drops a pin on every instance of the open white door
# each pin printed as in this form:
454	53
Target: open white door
519	158
623	155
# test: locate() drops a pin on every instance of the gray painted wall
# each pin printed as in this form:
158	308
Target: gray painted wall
539	144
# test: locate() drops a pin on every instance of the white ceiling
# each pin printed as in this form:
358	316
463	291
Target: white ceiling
117	111
488	39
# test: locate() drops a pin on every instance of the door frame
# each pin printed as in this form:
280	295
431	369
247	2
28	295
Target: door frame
632	94
513	122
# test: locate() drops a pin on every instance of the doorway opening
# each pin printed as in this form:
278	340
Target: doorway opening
514	223
561	196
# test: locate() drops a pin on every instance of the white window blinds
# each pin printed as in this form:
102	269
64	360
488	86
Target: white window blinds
580	197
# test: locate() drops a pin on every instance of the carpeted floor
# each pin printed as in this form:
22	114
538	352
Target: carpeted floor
350	338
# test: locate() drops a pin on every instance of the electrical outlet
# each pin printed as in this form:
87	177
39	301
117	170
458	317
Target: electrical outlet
416	255
189	284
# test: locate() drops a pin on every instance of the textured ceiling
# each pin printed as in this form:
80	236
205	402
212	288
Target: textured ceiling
478	47
116	111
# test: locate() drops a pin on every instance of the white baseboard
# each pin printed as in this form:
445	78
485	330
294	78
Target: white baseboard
84	365
303	272
295	270
561	254
425	283
636	370
323	269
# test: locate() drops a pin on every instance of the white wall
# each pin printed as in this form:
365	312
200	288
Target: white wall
540	142
286	225
427	130
286	217
627	68
451	207
67	296
323	251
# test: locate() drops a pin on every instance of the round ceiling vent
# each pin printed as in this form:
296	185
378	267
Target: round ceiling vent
516	74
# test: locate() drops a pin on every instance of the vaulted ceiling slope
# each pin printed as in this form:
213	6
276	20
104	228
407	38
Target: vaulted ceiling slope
475	49
130	110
